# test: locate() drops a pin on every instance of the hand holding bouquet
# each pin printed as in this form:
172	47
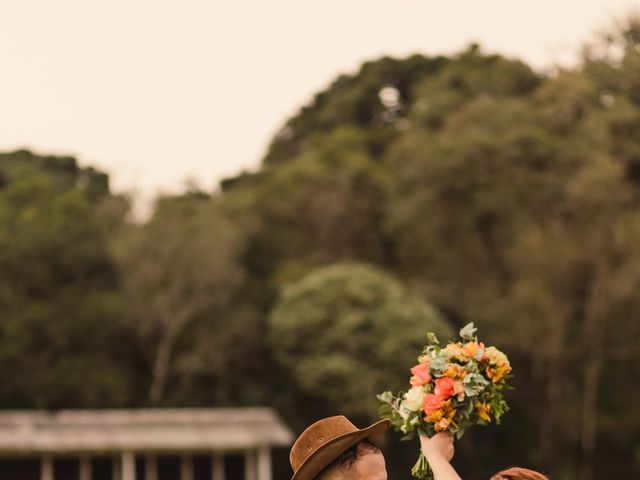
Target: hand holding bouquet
452	388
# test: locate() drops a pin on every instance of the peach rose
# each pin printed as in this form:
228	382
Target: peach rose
445	387
432	403
456	351
421	375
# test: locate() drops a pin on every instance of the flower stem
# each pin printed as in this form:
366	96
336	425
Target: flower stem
421	470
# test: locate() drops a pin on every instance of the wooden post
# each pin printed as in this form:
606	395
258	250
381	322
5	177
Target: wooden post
85	468
150	467
46	468
264	463
250	465
186	467
217	467
128	466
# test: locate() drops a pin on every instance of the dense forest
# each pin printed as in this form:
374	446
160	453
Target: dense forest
417	194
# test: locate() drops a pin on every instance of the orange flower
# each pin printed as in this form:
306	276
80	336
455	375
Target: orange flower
471	349
455	371
443	423
445	410
498	366
435	416
444	387
496	374
421	375
458	389
432	403
483	411
456	351
495	356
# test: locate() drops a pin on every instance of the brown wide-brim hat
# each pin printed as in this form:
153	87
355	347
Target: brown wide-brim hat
324	441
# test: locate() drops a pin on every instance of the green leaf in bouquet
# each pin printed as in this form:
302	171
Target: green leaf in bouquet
397	423
432	339
468	332
480	379
414	420
474	384
504	384
465	410
468	408
385	397
431	351
408	436
472	367
385	411
438	364
498	407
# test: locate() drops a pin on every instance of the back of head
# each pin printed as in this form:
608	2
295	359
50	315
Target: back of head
344	465
517	473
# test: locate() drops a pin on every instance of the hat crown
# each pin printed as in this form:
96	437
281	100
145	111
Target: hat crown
317	435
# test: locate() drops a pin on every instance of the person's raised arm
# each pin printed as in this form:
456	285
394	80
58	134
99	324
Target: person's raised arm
438	451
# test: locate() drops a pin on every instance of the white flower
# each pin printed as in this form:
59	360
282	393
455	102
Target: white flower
404	412
413	399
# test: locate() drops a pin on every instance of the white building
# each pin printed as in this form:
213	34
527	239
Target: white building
149	444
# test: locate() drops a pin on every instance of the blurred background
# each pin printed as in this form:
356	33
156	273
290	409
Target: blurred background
269	204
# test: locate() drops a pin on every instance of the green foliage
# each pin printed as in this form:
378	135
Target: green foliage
180	276
58	288
499	195
349	331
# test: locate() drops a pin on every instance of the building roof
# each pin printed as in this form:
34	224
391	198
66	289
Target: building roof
151	430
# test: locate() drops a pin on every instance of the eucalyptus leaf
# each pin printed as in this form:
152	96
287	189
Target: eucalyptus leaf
468	332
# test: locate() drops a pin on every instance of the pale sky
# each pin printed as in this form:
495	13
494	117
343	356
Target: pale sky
156	92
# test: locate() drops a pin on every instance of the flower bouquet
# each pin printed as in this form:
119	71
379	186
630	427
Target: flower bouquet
452	388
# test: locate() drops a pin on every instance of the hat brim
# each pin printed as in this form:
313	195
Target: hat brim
327	453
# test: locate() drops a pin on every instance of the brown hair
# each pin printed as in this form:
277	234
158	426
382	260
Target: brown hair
349	458
517	473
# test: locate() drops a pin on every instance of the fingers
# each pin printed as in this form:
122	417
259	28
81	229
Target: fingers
441	445
450	448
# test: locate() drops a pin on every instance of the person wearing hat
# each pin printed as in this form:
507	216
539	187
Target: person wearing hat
335	449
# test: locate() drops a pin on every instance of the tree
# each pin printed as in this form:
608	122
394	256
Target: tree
58	287
501	195
349	331
177	268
